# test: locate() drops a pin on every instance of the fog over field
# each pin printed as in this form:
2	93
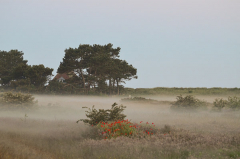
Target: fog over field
51	131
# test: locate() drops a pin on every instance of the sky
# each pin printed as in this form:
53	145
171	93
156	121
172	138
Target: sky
172	43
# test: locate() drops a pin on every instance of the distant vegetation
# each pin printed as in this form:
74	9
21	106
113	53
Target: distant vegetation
95	69
188	103
17	100
231	103
139	99
183	91
144	100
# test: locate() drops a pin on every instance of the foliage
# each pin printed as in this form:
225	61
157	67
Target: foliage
101	115
8	62
95	65
138	99
117	128
14	71
39	74
233	103
17	100
218	104
183	91
144	100
188	102
125	128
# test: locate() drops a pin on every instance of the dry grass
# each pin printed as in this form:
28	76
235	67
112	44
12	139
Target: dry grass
52	132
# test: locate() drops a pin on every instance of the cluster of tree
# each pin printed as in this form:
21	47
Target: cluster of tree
15	72
97	67
94	68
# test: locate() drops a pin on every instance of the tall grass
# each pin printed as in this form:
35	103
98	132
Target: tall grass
65	139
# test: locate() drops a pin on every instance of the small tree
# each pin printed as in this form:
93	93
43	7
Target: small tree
219	104
101	115
233	103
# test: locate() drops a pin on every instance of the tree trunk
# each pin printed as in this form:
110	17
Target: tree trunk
110	84
113	86
83	79
117	87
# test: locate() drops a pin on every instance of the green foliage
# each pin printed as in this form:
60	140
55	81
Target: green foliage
188	102
8	62
14	71
218	104
17	100
143	100
233	103
137	99
96	116
235	154
38	74
184	91
95	65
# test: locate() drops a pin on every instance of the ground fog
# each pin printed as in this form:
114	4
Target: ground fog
51	131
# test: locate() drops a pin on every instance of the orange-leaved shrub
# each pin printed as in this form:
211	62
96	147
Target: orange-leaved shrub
110	123
125	128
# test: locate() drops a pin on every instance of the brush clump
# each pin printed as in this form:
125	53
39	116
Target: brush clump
96	116
232	103
188	102
17	100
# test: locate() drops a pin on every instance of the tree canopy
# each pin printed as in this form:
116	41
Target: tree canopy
15	71
95	65
8	62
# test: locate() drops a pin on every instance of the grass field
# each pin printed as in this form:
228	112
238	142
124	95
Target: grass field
51	131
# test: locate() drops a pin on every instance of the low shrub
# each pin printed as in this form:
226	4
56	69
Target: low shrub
233	103
137	99
218	104
125	128
110	123
17	100
144	100
101	115
188	102
117	128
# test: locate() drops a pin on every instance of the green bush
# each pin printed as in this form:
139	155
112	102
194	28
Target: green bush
233	103
218	104
188	102
17	100
101	115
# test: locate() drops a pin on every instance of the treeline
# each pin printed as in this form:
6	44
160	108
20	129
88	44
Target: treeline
183	91
16	73
94	69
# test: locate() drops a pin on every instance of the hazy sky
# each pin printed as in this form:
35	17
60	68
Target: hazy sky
172	43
